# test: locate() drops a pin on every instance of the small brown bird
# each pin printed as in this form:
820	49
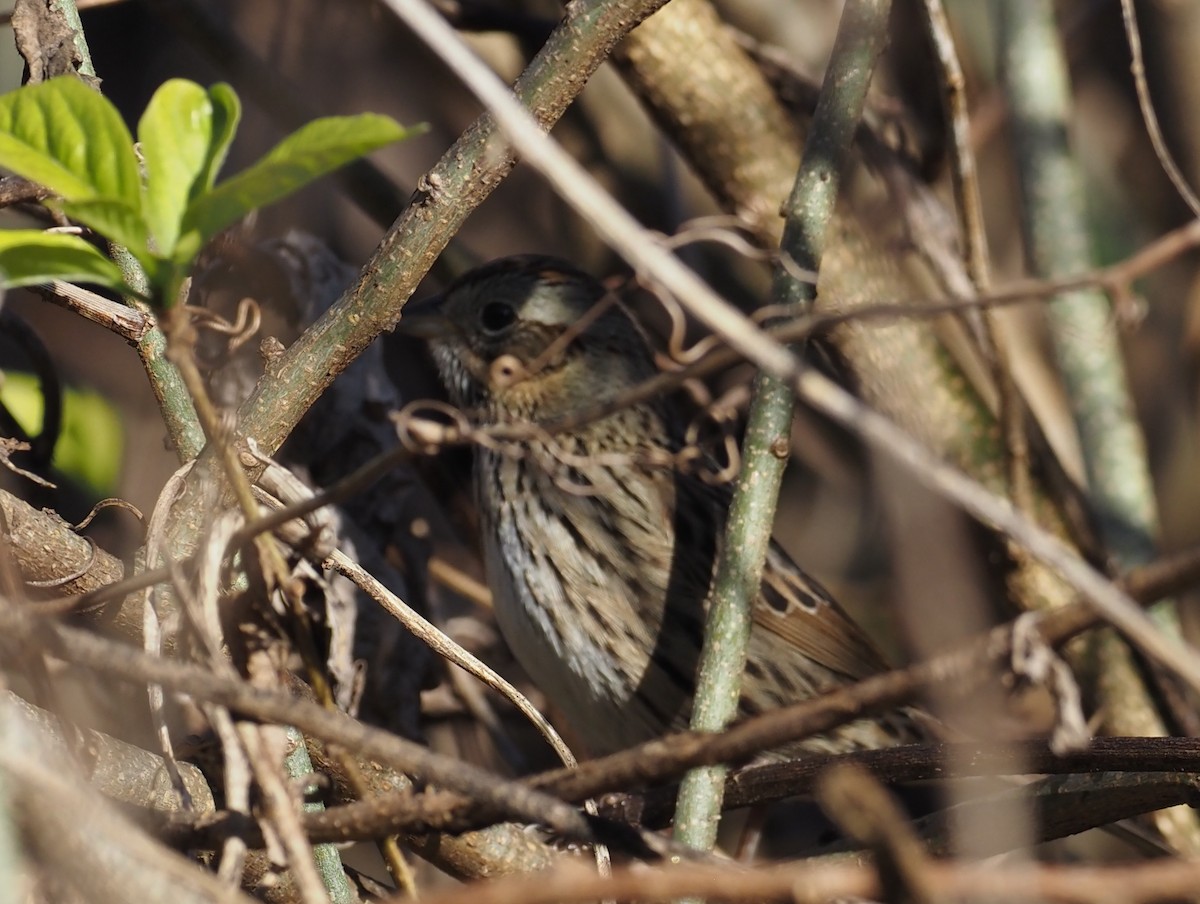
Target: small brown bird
600	555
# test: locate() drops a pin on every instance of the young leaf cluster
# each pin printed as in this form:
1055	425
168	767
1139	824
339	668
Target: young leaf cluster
166	205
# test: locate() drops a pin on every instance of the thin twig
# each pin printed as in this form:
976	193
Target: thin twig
755	785
963	171
281	811
236	782
387	812
581	190
462	178
451	651
1138	67
419	626
865	811
131	325
1011	410
132	665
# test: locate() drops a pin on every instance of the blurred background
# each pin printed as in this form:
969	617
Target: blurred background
292	60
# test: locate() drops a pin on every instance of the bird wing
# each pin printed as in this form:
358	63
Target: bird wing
791	605
795	607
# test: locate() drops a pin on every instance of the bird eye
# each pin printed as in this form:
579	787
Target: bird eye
496	316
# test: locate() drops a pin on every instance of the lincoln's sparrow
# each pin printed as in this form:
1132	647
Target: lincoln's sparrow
599	555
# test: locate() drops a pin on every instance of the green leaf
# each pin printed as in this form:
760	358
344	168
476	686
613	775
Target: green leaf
227	112
92	443
91	440
116	221
306	154
29	257
68	138
175	133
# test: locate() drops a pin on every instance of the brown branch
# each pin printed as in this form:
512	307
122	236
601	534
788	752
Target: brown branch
498	850
817	883
1149	116
865	811
127	663
15	190
920	762
466	174
1120	777
81	839
958	670
129	323
120	771
45	548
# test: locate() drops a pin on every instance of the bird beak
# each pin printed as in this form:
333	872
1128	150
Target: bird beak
425	319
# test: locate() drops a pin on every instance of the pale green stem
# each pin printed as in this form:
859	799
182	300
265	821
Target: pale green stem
1081	323
174	401
860	40
186	433
10	857
71	14
1034	75
298	764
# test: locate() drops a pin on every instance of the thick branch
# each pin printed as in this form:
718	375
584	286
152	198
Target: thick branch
462	179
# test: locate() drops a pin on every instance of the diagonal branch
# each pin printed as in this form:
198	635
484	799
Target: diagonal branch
466	174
